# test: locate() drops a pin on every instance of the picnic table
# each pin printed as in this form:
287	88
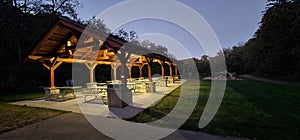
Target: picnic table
132	85
69	89
96	91
61	91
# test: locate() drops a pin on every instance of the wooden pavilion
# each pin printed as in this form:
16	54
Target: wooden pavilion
70	42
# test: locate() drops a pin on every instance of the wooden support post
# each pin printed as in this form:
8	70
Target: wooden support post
170	66
149	61
52	77
129	70
162	71
91	76
162	68
171	73
115	73
141	70
176	72
123	58
149	72
91	67
51	67
114	66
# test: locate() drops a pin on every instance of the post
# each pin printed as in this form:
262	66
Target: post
52	77
162	71
114	66
141	70
162	68
129	71
115	73
171	74
91	67
91	76
123	57
123	77
51	67
149	61
149	72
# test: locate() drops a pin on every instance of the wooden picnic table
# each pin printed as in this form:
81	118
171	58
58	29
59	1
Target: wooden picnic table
132	85
60	91
95	91
68	89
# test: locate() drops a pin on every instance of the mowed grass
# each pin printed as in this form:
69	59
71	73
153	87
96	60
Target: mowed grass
250	109
13	116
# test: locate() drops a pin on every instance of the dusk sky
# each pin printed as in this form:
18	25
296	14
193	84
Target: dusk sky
233	21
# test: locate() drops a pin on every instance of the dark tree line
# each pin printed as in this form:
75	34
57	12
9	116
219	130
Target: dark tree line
22	22
274	50
277	41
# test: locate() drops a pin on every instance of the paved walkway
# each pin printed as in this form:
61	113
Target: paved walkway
271	81
74	126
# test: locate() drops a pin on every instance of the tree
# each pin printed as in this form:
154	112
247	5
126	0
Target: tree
147	44
157	48
20	28
128	36
203	66
278	41
98	25
250	56
66	8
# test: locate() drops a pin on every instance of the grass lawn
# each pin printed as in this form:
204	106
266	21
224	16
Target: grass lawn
13	116
251	109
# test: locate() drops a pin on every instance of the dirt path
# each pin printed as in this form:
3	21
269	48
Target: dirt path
272	81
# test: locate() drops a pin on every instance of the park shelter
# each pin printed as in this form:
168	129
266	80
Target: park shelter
71	42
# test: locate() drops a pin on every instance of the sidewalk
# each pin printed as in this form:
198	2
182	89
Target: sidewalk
271	81
74	126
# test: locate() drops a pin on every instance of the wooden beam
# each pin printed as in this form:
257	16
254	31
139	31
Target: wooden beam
87	53
46	66
62	44
55	66
52	30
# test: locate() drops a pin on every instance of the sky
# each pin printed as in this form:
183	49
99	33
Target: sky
233	22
